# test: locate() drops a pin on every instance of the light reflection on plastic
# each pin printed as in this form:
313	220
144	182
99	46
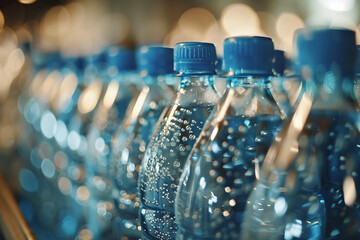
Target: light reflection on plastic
48	124
66	90
349	191
10	70
111	94
37	82
280	206
61	133
85	234
64	185
202	182
50	86
293	230
31	111
213	199
125	156
73	140
82	193
100	144
83	146
90	97
60	161
329	82
48	168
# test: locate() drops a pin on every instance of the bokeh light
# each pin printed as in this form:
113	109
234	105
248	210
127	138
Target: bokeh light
192	25
194	22
338	5
240	19
90	97
27	1
286	25
2	21
216	35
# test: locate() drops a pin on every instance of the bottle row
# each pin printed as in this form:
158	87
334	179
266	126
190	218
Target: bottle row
153	145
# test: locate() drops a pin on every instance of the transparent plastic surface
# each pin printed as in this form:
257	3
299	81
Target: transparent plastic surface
109	114
309	181
167	151
135	134
224	163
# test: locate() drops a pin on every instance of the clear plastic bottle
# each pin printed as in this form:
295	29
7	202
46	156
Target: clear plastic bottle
222	167
309	183
76	147
357	76
155	65
33	145
174	136
283	87
109	113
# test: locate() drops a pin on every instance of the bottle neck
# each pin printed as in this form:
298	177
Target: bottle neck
196	90
247	97
248	81
195	80
330	91
152	80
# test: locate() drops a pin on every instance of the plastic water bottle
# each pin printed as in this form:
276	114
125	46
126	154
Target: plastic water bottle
74	175
284	88
155	65
31	179
174	136
309	183
222	167
109	113
220	82
40	171
357	76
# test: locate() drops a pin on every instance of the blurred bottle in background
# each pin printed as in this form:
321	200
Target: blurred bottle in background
220	82
38	168
119	89
224	163
280	83
309	181
175	134
74	174
357	76
155	65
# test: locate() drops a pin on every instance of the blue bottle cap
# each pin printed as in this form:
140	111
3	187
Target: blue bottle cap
75	63
357	69
248	55
279	62
97	58
325	50
155	60
199	57
54	60
120	58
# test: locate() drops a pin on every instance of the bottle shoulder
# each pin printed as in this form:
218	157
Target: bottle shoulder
248	102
